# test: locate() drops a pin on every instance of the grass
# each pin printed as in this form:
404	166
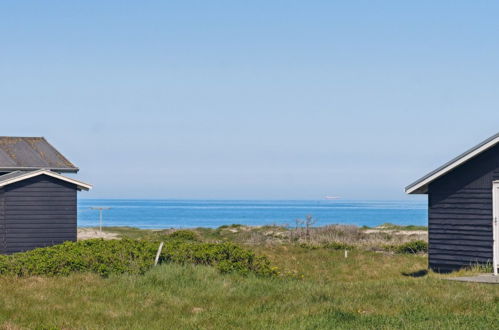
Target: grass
321	289
391	226
367	290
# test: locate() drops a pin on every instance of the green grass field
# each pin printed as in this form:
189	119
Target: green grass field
322	290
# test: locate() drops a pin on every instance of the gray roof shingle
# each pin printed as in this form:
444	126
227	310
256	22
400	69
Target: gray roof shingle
11	175
29	153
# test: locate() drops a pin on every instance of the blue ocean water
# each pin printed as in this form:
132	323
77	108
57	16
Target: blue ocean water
214	213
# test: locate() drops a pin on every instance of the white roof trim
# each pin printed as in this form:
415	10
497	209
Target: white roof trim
27	175
421	186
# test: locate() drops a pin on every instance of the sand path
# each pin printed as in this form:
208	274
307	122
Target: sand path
88	233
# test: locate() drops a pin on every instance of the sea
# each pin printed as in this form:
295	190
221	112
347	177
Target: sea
159	214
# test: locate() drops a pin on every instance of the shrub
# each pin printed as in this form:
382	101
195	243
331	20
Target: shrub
234	225
338	246
226	257
412	247
186	235
131	256
97	255
308	246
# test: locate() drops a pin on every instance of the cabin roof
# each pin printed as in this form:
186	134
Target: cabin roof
31	153
17	176
421	186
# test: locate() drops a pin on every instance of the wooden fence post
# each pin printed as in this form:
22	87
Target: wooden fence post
158	254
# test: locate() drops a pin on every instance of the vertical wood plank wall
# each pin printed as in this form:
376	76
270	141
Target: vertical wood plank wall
460	214
38	212
3	240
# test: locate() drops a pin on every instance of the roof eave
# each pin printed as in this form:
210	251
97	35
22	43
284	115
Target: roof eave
421	186
26	175
419	191
61	170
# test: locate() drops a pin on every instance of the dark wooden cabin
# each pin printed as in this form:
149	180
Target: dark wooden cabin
463	207
37	202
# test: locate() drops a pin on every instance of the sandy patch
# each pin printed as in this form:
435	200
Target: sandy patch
396	232
89	233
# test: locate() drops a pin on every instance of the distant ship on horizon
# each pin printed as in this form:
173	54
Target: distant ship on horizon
331	197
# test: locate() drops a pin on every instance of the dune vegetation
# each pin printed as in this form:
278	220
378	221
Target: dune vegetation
316	287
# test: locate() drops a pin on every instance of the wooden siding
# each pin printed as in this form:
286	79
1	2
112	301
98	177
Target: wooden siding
460	214
37	212
3	241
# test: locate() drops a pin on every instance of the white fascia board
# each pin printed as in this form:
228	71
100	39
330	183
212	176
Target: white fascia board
28	175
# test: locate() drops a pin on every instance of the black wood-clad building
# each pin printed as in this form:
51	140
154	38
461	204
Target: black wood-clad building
37	202
463	206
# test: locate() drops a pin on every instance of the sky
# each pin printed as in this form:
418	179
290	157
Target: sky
251	99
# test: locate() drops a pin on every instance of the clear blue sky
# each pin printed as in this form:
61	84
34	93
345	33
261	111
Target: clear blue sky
251	99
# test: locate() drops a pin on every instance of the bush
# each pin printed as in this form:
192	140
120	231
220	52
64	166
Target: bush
412	247
97	256
130	256
186	235
308	246
234	225
226	257
338	246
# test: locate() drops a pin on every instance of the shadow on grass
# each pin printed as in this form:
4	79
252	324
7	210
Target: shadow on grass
419	273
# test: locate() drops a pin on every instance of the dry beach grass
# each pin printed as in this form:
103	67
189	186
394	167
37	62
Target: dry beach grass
366	238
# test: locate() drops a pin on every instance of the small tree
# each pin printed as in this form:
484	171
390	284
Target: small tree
298	224
309	222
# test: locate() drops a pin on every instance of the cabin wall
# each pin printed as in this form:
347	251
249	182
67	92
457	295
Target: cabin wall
38	212
2	221
460	214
